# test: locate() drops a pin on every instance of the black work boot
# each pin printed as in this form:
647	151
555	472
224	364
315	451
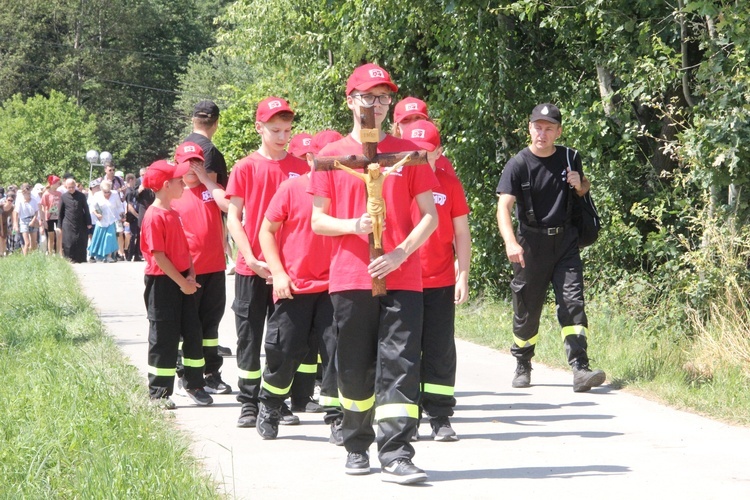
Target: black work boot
584	378
522	377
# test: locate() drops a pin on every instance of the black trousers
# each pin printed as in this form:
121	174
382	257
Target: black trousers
549	259
171	315
329	387
253	304
292	338
438	352
378	357
134	247
211	299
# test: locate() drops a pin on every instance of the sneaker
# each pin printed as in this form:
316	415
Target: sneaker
403	471
165	403
584	378
180	389
357	463
214	384
287	417
442	430
248	415
92	260
224	351
522	378
309	406
337	435
267	424
199	396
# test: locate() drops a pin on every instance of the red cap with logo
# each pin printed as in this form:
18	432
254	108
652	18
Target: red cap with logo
323	138
300	145
368	76
188	151
162	171
270	107
411	106
51	179
422	133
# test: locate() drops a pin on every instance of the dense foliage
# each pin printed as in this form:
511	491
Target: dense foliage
118	60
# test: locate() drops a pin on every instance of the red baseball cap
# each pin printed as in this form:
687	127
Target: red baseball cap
300	145
162	171
368	76
423	133
324	137
188	151
51	179
271	106
409	107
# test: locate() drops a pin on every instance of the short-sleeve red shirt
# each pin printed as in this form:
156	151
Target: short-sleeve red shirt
348	195
445	164
437	254
161	231
306	256
201	220
255	179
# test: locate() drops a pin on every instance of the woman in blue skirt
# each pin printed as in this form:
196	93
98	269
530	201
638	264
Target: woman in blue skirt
107	209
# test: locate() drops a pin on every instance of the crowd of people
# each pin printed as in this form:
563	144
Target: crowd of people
312	242
102	217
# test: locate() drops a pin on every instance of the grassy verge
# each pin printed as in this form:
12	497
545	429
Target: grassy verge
637	348
76	422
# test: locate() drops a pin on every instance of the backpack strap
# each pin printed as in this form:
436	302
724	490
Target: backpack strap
528	205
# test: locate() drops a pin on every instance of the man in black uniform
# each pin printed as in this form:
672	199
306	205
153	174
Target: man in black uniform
205	124
545	248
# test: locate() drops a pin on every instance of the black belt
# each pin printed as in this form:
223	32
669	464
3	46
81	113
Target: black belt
548	231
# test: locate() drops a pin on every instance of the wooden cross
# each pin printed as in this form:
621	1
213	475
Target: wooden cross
369	136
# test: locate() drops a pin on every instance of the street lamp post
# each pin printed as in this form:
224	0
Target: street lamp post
94	159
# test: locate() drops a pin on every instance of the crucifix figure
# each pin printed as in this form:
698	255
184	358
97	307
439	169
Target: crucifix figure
374	180
371	162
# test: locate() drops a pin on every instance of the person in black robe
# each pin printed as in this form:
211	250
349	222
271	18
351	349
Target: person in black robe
75	220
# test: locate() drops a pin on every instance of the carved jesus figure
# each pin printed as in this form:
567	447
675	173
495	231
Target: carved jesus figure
373	180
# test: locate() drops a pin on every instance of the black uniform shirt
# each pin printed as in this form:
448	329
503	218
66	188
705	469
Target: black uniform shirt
214	160
549	184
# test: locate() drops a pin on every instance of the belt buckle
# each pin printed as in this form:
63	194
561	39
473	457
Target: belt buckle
553	231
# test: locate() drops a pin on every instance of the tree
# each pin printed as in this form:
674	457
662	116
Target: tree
42	136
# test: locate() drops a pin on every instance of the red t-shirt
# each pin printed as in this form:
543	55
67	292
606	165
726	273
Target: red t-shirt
51	203
348	195
201	220
161	231
444	163
437	254
255	179
306	256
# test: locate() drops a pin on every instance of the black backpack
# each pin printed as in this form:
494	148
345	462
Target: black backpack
582	210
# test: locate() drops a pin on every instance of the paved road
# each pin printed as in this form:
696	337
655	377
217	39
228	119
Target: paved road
544	442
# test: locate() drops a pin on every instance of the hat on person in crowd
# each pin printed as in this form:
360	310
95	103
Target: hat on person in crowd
411	106
52	179
95	183
188	151
162	171
206	109
37	189
270	107
547	112
423	133
300	145
323	138
119	173
368	76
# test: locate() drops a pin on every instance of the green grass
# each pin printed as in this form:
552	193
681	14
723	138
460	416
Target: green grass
76	421
642	349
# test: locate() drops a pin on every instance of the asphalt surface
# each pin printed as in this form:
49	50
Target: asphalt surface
543	442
